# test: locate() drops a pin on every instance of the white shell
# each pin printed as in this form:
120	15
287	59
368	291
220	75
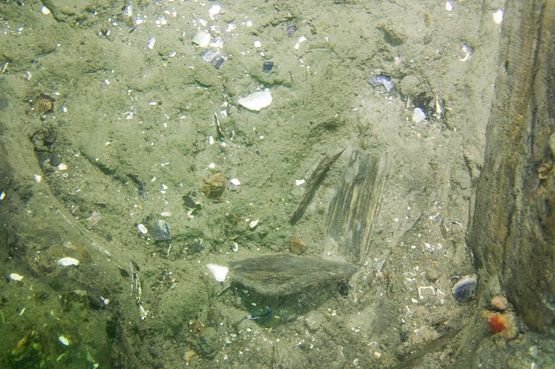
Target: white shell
68	261
202	39
150	43
16	277
253	223
257	100
498	16
63	340
214	10
142	228
418	115
218	271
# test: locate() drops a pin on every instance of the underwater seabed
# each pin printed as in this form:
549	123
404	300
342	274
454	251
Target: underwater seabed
248	184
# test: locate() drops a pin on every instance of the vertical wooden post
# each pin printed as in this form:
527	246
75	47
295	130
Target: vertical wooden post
513	227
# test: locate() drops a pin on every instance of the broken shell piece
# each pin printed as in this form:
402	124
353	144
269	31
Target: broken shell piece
382	80
257	100
253	223
214	10
234	183
68	261
15	277
218	271
498	16
64	340
418	115
202	38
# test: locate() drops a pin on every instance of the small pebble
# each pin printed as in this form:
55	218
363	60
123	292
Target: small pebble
159	230
499	303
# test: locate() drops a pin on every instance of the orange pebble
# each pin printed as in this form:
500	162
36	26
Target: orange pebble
502	324
497	322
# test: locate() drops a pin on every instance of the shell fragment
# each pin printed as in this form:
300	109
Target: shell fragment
202	38
257	100
16	277
218	271
68	261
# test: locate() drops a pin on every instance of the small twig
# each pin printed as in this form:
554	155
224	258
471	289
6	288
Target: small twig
312	185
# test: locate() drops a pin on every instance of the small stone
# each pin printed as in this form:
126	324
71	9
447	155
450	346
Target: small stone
432	274
499	303
297	245
267	66
313	321
159	230
552	144
214	186
409	86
